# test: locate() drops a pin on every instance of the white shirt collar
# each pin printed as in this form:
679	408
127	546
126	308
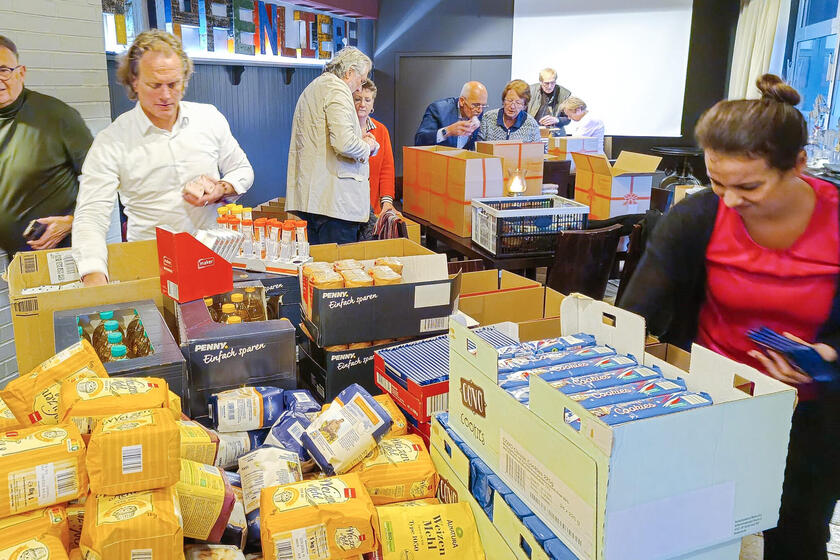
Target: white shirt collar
146	125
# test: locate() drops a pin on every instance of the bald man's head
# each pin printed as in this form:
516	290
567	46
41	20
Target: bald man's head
473	99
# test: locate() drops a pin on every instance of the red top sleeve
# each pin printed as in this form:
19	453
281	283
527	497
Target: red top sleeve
381	167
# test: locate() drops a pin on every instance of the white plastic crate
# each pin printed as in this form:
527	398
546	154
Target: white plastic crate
524	224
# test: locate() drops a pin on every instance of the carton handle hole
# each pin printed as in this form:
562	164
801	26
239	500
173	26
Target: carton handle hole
471	347
608	319
523	544
744	385
572	419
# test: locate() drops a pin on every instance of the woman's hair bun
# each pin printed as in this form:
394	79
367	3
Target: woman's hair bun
774	88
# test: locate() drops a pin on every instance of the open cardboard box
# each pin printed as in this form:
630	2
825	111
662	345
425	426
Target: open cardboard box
614	190
132	269
491	297
693	474
420	305
564	146
525	156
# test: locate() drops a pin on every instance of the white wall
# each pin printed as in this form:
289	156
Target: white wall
62	46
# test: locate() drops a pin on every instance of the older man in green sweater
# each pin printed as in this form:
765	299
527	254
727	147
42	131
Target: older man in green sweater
43	143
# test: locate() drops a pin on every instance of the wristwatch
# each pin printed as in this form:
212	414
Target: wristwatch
443	132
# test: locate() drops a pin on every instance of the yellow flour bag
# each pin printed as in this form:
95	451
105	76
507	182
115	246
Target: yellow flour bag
333	516
87	401
400	426
51	520
76	554
138	525
398	469
40	467
415	503
134	451
197	442
32	547
7	418
429	533
175	405
75	520
33	398
206	499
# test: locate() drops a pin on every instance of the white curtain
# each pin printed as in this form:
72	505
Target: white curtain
753	46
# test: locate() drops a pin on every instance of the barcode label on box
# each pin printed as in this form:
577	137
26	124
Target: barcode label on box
434	324
28	305
132	459
385	384
283	550
66	483
141	554
551	499
296	431
438	403
62	267
172	289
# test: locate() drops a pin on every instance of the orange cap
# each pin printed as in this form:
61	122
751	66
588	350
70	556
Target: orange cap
288	225
260	222
247	222
300	223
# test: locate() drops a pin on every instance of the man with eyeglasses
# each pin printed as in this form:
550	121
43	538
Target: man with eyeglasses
454	121
546	97
172	162
43	142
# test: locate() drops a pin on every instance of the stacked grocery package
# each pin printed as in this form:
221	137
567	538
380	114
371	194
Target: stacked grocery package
834	529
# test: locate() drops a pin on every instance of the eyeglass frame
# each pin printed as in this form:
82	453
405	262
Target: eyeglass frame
11	71
476	106
514	102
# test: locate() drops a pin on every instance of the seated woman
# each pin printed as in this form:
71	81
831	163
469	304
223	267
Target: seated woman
760	248
583	124
512	121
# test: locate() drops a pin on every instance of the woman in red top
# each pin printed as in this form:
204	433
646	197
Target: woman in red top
761	248
381	164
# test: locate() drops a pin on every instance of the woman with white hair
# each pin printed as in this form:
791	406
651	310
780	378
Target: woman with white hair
583	124
327	179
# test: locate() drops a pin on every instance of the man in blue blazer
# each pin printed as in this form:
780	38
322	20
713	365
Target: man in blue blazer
454	121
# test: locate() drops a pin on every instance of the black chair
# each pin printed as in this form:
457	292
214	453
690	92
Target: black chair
583	260
636	248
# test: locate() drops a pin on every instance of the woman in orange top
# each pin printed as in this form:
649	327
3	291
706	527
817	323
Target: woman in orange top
381	164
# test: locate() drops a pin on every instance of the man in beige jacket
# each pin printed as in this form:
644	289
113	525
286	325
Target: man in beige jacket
327	180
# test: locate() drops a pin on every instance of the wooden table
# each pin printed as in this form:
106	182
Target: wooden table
464	247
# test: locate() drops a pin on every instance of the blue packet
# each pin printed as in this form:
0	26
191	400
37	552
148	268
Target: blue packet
557	372
564	343
646	408
521	394
602	380
236	530
517	506
479	483
801	356
556	550
245	408
517	350
442	418
253	540
336	438
286	433
553	358
539	529
300	400
629	392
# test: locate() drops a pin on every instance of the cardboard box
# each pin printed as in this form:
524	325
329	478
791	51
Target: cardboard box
563	146
221	357
272	209
166	361
421	305
133	267
282	294
189	270
614	190
491	281
693	472
413	230
440	182
526	156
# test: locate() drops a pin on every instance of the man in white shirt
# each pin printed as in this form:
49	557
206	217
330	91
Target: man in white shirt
150	153
583	124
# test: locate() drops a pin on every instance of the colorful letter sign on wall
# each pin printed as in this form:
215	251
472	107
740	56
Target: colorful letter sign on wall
243	27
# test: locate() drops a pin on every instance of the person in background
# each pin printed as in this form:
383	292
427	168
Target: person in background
454	121
155	155
327	181
381	176
512	121
760	248
583	124
43	143
546	97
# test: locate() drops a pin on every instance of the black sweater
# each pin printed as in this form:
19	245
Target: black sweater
669	286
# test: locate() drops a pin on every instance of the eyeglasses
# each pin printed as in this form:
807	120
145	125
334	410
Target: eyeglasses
6	72
478	106
514	102
551	83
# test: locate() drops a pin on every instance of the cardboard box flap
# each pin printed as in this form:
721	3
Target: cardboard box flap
631	162
367	250
614	326
595	163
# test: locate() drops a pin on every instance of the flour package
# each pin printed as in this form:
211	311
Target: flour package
37	546
40	467
341	436
206	498
236	532
48	521
233	445
429	532
300	400
212	552
261	468
197	442
246	408
398	469
88	400
287	432
333	517
7	418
